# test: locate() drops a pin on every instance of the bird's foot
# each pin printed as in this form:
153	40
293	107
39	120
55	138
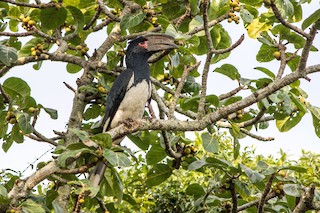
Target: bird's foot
128	123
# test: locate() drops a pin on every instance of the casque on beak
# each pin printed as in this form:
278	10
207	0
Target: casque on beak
158	42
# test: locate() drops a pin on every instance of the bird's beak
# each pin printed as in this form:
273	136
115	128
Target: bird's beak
159	42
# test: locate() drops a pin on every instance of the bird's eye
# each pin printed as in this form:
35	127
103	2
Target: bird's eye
142	42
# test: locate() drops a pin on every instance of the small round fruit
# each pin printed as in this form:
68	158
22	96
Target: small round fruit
229	20
277	55
81	200
26	19
187	150
234	4
237	9
13	121
31	109
40	46
31	22
102	89
34	53
78	47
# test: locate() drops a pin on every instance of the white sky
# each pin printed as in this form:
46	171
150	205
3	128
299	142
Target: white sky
48	89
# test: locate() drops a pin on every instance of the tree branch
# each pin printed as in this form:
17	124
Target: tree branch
265	193
180	87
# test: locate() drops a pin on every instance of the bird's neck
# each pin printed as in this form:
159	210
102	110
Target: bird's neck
140	68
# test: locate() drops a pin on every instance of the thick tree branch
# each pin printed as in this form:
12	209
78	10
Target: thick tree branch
306	199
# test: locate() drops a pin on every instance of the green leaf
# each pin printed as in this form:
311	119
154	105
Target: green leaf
103	139
8	55
82	135
3	191
195	190
229	70
242	188
254	176
92	112
197	164
112	60
265	53
73	68
16	86
209	143
52	18
315	112
266	71
132	20
143	145
155	154
116	158
64	156
26	49
31	206
289	122
74	3
294	168
23	121
236	148
77	16
314	17
158	174
16	135
292	189
52	112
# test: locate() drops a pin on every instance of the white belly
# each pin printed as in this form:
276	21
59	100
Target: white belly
133	103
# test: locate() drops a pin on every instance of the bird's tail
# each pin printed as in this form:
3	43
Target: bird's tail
97	174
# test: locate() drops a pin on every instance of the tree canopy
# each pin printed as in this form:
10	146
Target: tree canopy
170	172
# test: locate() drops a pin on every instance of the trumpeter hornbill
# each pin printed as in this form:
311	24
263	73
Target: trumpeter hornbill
132	88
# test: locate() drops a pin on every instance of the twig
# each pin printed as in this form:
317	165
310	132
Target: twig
232	189
210	24
101	204
231	93
33	5
157	98
6	98
186	14
94	18
165	88
43	138
265	193
260	138
176	155
255	202
24	34
255	119
69	87
283	61
180	87
233	46
306	49
81	169
38	158
107	12
204	78
285	23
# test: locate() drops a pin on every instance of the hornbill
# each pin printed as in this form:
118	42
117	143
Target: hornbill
132	88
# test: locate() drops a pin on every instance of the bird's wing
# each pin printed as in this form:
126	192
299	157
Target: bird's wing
116	95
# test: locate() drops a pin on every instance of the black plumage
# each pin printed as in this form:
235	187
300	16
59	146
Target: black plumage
132	89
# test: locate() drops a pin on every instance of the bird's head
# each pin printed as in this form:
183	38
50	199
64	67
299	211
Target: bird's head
145	46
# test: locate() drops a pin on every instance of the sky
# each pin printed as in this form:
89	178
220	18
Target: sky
48	89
